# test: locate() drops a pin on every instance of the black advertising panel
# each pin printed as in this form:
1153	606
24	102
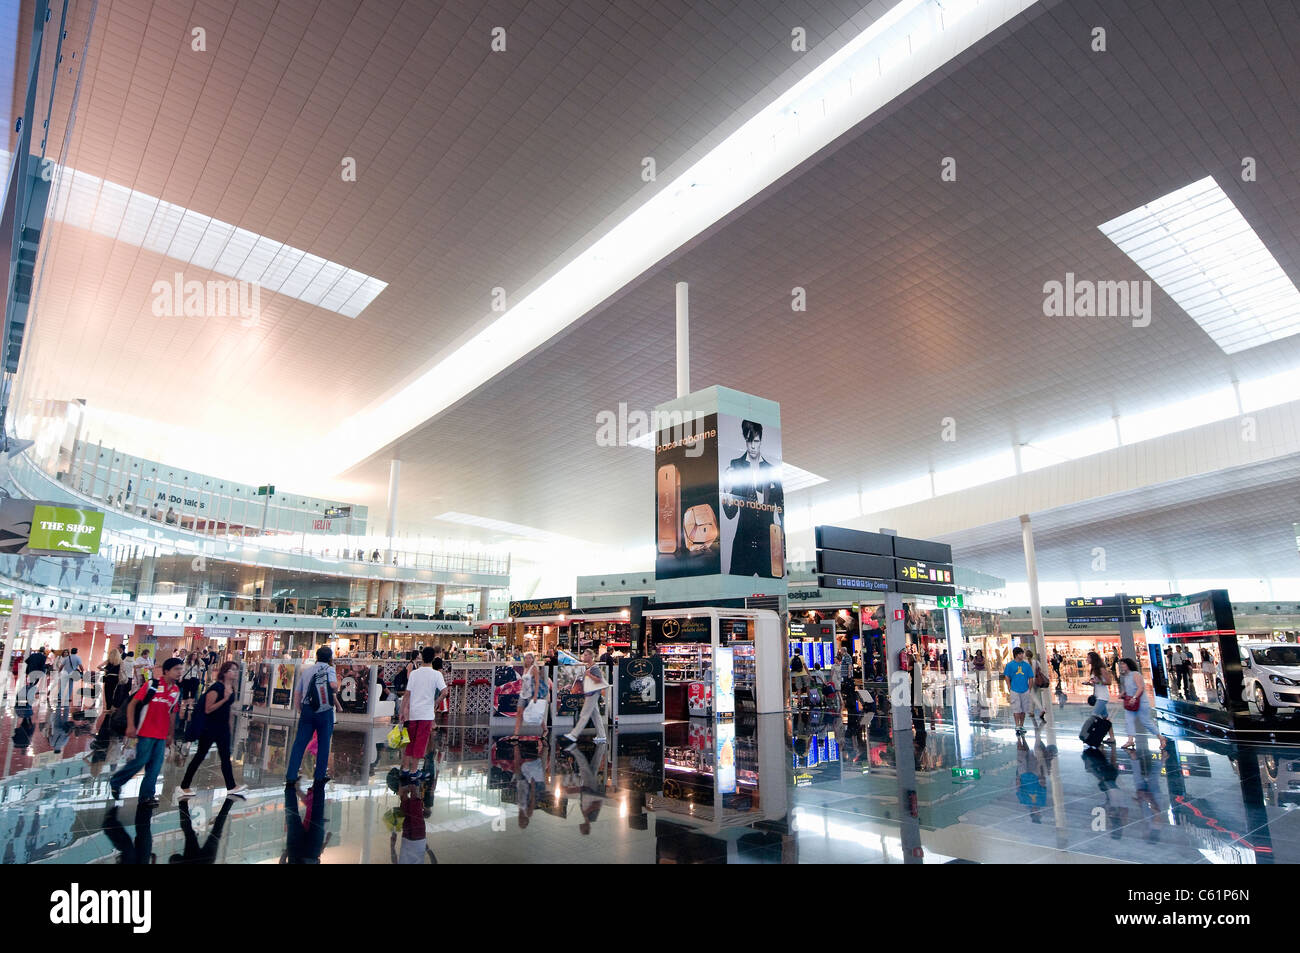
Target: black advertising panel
922	549
914	570
835	562
682	630
688	531
855	541
752	497
1092	609
640	686
855	582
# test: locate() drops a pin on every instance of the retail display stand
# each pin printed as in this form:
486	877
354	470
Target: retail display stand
720	658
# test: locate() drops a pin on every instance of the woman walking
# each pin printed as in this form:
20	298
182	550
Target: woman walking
1100	680
593	686
1137	706
190	676
215	730
534	687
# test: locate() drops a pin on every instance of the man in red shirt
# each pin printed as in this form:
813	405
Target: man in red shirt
154	732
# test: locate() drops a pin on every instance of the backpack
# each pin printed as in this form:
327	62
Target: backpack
314	697
194	728
119	714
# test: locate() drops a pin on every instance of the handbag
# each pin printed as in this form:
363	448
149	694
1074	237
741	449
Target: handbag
1092	700
1132	702
1040	680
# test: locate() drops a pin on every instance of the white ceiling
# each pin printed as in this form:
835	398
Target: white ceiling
924	297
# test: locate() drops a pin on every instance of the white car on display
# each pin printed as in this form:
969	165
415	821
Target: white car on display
1270	675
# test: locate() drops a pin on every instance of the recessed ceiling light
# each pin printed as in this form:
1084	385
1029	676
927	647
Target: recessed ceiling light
1198	247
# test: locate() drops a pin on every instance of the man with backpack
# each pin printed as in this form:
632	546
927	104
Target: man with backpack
149	717
316	697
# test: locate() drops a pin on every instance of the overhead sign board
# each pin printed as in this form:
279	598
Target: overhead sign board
878	562
63	531
532	608
1107	608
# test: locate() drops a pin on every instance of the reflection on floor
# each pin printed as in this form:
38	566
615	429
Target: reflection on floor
770	789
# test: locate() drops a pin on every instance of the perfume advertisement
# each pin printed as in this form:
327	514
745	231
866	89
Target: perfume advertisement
753	500
687	526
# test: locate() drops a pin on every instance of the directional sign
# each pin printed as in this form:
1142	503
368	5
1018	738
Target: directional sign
952	602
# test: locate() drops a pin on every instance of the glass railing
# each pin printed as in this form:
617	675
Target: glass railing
311	552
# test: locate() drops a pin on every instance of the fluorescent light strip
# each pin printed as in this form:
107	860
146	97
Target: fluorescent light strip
910	41
1198	247
143	221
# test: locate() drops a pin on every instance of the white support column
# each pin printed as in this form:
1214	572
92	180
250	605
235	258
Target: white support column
683	339
394	473
1031	577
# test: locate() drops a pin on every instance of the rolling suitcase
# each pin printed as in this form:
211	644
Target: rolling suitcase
1094	730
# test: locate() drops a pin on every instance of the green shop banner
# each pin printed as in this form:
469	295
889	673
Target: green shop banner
67	532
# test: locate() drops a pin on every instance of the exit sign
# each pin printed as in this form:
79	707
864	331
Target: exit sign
268	490
952	602
965	774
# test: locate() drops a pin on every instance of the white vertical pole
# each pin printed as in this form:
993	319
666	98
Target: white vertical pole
683	339
1031	576
394	472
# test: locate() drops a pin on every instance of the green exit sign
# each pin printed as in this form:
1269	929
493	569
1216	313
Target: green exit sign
966	774
266	490
952	602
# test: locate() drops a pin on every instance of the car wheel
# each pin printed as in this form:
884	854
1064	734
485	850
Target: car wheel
1261	700
1220	692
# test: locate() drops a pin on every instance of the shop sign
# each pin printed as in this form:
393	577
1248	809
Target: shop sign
682	630
64	531
640	686
526	608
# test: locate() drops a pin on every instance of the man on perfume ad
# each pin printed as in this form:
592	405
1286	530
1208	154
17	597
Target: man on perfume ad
753	502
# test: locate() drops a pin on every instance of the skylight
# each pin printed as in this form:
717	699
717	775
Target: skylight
143	221
1196	245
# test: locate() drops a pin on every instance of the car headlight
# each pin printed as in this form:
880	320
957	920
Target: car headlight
1282	680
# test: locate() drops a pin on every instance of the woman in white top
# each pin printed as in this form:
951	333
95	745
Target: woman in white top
1208	673
1100	679
534	685
1130	679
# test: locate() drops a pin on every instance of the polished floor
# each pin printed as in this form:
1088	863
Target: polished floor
769	789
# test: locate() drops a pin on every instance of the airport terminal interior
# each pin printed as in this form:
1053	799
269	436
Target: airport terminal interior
650	431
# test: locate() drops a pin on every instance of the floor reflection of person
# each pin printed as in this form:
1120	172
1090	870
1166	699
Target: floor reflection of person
415	841
304	838
749	479
193	852
137	850
592	797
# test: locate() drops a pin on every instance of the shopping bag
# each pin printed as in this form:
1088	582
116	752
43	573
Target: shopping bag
398	737
535	712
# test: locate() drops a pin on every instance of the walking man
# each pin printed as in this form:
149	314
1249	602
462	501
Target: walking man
160	698
424	687
316	697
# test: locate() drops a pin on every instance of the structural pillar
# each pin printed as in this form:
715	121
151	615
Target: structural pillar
683	339
1031	577
1126	643
387	600
394	471
483	595
439	597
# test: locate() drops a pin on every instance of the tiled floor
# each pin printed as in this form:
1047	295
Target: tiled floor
789	791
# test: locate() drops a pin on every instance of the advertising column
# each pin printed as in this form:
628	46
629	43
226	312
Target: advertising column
719	498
